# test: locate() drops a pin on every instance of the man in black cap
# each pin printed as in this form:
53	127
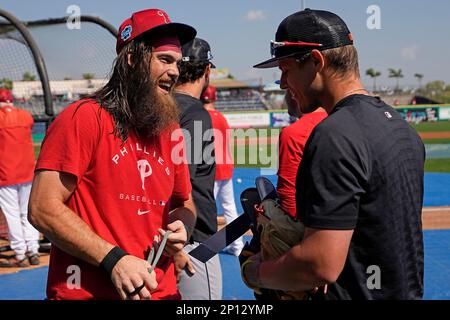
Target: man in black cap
359	187
198	280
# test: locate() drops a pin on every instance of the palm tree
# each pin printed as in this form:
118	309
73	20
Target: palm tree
88	76
419	78
27	76
6	83
397	74
374	75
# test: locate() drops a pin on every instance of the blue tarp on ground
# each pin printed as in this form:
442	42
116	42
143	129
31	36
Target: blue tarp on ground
30	284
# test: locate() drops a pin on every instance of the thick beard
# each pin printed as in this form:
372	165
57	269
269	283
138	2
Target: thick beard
154	113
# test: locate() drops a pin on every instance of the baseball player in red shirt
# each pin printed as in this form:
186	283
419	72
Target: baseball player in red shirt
291	145
16	173
108	185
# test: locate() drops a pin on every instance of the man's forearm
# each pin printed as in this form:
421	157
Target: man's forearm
69	232
318	260
289	273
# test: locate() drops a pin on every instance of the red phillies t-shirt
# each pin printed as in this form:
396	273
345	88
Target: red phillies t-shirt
16	146
292	143
222	135
122	194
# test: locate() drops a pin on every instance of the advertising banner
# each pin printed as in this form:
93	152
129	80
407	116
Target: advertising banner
417	115
280	119
248	120
444	113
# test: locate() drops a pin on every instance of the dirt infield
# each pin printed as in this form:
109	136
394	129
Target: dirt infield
436	218
435	135
45	257
433	218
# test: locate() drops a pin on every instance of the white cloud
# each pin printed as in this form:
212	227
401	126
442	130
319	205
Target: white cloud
255	15
410	53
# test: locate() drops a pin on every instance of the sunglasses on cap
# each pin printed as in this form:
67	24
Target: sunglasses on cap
277	44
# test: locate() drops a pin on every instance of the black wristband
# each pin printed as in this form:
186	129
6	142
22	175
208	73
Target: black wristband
110	260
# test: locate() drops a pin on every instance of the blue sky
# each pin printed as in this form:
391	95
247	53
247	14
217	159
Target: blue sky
414	35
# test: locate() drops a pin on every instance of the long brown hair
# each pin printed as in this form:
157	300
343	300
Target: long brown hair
130	95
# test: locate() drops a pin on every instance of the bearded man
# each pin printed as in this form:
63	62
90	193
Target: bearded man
104	190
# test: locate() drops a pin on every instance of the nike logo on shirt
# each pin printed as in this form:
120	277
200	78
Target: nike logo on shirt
140	213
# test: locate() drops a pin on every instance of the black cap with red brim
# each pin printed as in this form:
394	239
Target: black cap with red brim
303	31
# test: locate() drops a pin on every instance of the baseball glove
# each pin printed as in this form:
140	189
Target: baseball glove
279	232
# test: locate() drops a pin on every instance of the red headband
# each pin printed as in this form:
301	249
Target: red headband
166	44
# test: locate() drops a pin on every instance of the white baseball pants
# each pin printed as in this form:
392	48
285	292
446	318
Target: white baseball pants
23	237
223	192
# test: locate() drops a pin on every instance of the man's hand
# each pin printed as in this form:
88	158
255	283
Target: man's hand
131	274
182	261
250	272
177	239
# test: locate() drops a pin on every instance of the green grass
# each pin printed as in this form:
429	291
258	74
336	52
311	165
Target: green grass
441	126
36	150
255	156
437	165
436	141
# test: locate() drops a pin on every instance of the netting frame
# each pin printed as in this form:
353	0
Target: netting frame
39	61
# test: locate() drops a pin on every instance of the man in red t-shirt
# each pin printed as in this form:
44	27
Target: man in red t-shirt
16	172
111	178
291	145
223	185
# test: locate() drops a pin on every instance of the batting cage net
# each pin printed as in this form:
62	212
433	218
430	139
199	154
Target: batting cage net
78	58
75	55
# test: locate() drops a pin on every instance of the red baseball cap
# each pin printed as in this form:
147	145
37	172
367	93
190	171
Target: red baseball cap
209	95
6	96
149	21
